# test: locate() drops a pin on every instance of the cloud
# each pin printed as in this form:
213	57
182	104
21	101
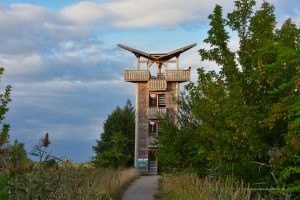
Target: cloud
165	14
27	29
69	87
20	66
65	79
84	12
140	13
69	110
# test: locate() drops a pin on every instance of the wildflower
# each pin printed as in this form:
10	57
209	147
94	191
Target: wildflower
274	153
45	141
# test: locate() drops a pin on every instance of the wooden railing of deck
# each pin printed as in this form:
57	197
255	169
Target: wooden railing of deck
157	84
155	112
178	75
136	75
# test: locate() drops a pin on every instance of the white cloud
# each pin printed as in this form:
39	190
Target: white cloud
140	13
27	29
163	13
84	12
24	20
21	12
145	13
16	65
35	92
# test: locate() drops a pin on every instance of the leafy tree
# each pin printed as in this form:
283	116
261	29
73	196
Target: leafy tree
181	145
288	35
116	145
243	120
4	100
284	118
4	134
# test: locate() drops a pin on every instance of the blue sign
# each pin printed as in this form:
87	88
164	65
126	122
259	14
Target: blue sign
142	163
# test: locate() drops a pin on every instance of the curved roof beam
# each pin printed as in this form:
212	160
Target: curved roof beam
160	56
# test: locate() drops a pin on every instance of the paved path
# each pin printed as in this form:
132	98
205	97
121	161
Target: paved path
144	188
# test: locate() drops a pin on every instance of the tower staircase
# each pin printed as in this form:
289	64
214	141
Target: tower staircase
153	167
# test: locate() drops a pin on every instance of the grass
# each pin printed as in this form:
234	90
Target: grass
101	183
189	186
51	178
69	181
115	184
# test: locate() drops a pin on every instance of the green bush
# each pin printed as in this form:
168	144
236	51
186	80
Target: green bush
4	192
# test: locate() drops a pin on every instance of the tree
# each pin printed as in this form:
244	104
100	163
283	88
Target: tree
284	117
246	115
180	144
4	134
116	145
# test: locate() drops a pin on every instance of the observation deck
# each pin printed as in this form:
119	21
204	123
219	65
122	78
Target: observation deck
145	76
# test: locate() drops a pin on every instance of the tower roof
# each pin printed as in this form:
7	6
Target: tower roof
158	56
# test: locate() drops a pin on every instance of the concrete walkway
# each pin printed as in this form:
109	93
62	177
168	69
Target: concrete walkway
144	188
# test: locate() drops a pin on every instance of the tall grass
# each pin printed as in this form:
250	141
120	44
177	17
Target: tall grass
190	187
116	181
68	181
51	178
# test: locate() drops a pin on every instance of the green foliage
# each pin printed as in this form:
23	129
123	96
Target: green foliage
4	192
52	178
4	99
244	120
190	186
4	133
28	181
183	151
289	172
288	35
18	161
116	145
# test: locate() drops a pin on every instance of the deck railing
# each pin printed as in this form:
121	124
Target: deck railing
157	84
136	75
170	75
155	112
178	75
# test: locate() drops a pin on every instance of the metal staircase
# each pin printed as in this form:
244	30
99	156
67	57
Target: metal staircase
153	167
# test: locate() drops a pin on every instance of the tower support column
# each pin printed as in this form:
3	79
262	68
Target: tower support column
136	141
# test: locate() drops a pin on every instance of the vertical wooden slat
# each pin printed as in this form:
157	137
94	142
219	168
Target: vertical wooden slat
178	75
136	75
157	84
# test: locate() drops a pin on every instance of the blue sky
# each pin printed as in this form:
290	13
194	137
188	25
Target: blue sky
62	60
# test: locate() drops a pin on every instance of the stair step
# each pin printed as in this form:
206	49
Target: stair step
153	167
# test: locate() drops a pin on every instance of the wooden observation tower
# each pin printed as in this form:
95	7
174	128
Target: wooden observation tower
157	79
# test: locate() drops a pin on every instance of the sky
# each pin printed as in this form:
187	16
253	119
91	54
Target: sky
66	71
